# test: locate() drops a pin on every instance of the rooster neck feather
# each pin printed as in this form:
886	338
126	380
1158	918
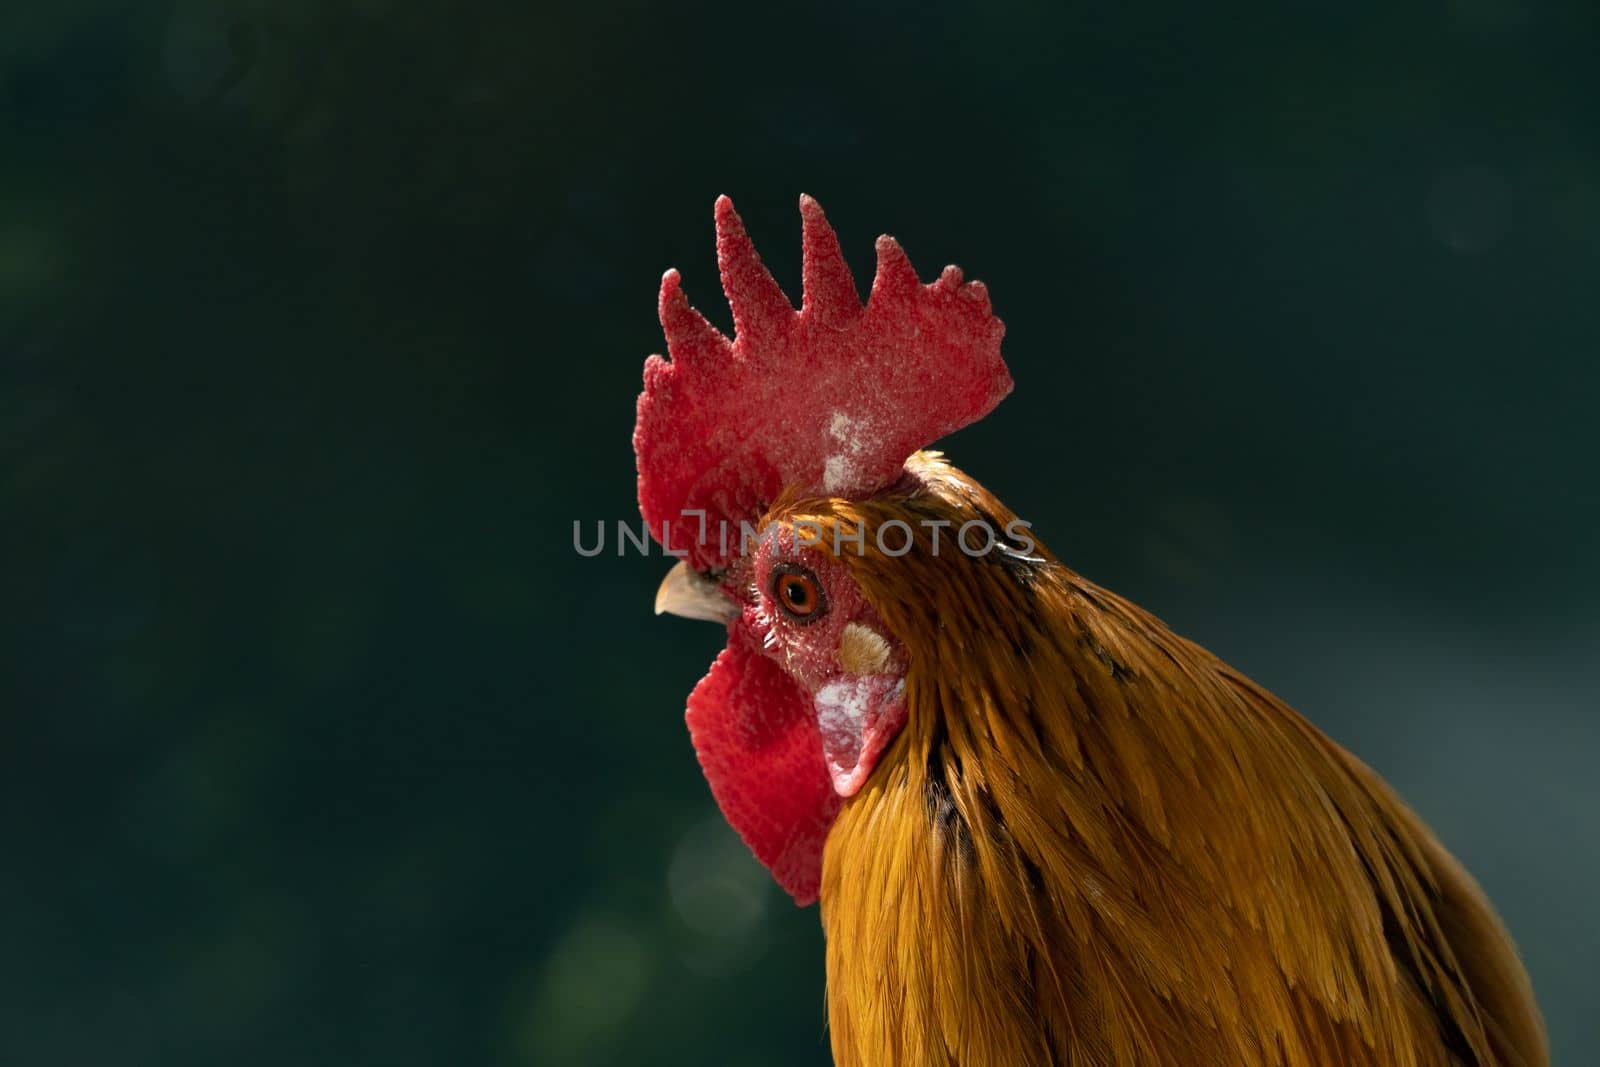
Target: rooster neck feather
1094	843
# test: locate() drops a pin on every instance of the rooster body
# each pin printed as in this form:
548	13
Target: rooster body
1044	830
1095	843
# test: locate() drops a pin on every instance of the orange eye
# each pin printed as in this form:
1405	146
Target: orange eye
797	592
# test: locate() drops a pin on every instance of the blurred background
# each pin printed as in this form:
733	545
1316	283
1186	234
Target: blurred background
321	323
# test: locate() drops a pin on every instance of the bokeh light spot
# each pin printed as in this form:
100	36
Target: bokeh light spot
720	893
590	984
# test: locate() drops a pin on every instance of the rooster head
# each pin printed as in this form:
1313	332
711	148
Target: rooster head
738	441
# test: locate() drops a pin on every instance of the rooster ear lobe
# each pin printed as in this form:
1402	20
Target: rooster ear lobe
858	718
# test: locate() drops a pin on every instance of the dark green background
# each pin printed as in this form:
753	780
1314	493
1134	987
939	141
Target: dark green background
320	324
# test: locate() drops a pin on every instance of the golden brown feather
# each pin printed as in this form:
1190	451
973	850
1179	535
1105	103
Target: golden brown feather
1094	843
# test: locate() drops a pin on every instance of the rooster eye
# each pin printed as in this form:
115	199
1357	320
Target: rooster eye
797	592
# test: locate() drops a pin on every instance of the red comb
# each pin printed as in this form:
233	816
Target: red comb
833	398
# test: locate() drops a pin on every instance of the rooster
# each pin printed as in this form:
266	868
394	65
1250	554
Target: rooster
1043	828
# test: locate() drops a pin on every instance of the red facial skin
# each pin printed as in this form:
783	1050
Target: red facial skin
778	776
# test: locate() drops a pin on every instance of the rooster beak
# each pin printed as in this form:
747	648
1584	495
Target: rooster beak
692	596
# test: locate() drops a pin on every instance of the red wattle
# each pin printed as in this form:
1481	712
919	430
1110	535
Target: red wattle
755	733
